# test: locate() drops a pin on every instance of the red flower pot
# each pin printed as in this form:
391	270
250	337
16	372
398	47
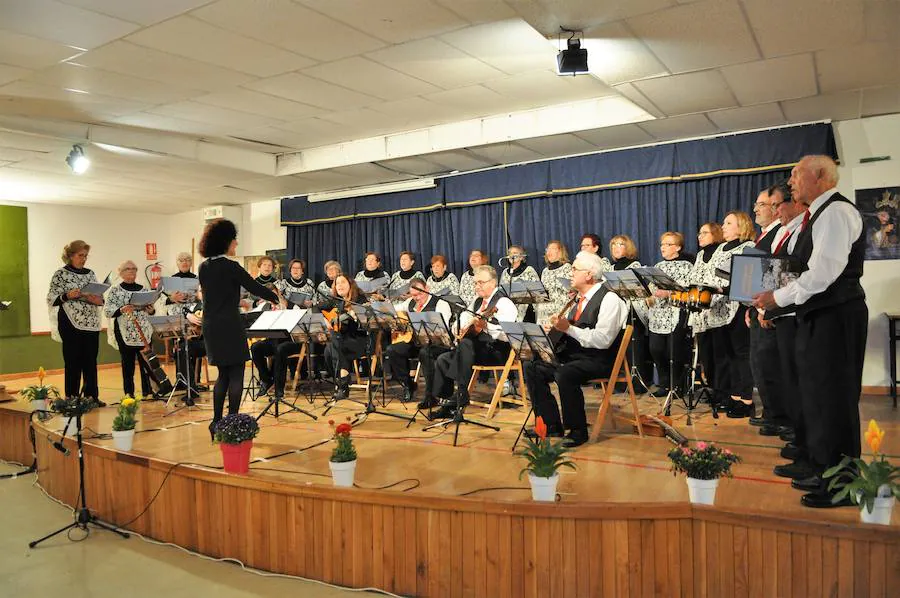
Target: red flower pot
236	457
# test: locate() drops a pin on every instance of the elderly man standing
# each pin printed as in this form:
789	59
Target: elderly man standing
592	332
831	321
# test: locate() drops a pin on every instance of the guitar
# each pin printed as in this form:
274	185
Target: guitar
158	377
402	332
661	426
558	337
478	324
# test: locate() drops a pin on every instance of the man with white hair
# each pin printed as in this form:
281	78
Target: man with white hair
592	332
832	320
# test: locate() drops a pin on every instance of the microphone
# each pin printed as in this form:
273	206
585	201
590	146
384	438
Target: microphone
58	445
508	258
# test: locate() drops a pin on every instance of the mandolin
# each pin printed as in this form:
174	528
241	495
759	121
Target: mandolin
557	337
158	376
402	332
661	426
478	324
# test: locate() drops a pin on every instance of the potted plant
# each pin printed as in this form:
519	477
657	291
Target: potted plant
72	408
235	434
124	422
873	486
545	457
703	465
37	394
343	455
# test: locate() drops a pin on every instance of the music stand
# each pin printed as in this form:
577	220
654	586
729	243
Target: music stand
278	325
530	342
312	327
526	291
430	330
629	286
175	326
456	303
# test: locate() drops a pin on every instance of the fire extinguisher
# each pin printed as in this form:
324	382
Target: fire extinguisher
153	272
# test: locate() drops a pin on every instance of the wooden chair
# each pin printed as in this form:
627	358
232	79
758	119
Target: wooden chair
620	373
512	364
204	363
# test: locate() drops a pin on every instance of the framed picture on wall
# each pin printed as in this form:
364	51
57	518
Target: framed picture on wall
281	259
879	209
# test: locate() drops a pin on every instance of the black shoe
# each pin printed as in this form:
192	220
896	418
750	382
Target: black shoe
263	389
447	410
798	470
202	388
793	452
100	403
659	393
575	438
811	484
759	421
409	392
427	403
552	432
212	430
461	398
770	429
822	500
787	434
739	409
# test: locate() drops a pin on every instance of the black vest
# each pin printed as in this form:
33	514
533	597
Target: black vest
846	287
430	305
783	252
767	243
572	349
492	303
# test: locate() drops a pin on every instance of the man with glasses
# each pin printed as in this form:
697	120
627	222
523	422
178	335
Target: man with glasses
592	332
483	348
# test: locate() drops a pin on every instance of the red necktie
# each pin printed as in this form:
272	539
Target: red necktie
579	308
760	237
782	242
805	221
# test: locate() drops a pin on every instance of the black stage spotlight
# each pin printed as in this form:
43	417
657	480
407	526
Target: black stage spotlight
77	161
573	60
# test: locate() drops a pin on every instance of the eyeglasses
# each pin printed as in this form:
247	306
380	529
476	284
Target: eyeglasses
670	244
129	269
618	243
478	282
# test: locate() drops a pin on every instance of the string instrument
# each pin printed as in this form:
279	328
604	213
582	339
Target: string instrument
557	337
158	377
477	325
661	427
338	318
402	331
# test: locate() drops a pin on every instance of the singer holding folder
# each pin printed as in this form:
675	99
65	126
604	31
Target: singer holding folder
123	334
75	320
223	330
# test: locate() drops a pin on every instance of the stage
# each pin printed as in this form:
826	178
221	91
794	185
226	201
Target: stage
432	519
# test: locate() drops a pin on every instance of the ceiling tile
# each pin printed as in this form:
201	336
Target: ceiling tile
270	135
616	56
558	145
365	122
97	103
98	81
419	109
195	39
677	127
168	123
288	25
416	166
772	80
881	100
547	16
127	59
460	160
691	92
836	106
254	102
317	132
32	52
784	28
145	13
507	153
366	76
70	25
479	11
881	20
868	65
512	46
436	62
223	117
546	87
9	74
630	92
394	21
748	117
315	92
474	100
697	36
618	136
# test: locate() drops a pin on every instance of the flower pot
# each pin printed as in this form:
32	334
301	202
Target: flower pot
68	428
702	492
236	457
123	439
342	473
543	489
39	405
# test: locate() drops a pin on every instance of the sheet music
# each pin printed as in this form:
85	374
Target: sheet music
283	320
371	286
142	298
177	284
752	274
94	288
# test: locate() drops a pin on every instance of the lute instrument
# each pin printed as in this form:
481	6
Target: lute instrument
478	324
661	426
158	376
557	337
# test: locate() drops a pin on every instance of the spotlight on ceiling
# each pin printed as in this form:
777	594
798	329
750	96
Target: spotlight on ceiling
574	59
77	161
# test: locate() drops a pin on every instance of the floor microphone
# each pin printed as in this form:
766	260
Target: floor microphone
58	445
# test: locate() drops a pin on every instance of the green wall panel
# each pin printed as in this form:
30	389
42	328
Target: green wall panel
14	271
28	353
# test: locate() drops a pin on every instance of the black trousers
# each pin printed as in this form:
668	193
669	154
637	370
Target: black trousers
731	353
342	349
397	363
568	377
765	365
639	352
680	349
281	363
705	357
128	356
457	364
79	349
260	351
196	350
230	383
786	334
830	347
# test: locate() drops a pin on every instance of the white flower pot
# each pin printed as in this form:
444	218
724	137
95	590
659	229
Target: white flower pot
881	509
123	440
543	489
702	492
67	428
342	473
39	405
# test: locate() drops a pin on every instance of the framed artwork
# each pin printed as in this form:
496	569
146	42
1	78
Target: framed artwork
879	209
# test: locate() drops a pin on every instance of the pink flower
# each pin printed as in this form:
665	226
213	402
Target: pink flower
727	452
701	446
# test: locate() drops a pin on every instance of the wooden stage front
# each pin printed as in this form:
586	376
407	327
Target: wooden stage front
429	519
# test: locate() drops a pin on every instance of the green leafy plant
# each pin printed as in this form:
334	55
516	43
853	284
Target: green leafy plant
72	406
544	456
40	391
126	416
236	428
343	451
864	482
705	461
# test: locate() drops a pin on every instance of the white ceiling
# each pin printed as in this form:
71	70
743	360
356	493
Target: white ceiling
225	94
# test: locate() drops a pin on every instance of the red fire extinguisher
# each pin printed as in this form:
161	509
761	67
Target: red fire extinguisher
154	275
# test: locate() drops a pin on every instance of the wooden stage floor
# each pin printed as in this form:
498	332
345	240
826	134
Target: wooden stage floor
431	519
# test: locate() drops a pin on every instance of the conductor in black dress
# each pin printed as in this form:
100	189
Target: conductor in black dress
223	330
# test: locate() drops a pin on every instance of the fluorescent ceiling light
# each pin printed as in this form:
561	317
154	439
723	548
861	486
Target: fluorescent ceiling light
410	185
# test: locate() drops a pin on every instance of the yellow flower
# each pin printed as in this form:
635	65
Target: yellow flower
874	435
41	374
127	402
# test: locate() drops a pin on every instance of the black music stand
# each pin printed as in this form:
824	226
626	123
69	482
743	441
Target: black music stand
175	326
312	327
530	342
248	319
430	330
526	291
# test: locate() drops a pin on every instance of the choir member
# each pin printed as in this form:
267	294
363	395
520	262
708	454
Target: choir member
477	257
124	334
558	267
441	278
407	271
332	269
265	276
372	268
519	271
592	243
180	304
624	255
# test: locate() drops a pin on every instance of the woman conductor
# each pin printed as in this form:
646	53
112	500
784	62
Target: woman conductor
223	331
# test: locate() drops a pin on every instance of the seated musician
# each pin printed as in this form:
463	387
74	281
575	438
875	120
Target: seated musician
177	304
266	276
592	333
480	344
124	334
348	341
398	354
332	269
